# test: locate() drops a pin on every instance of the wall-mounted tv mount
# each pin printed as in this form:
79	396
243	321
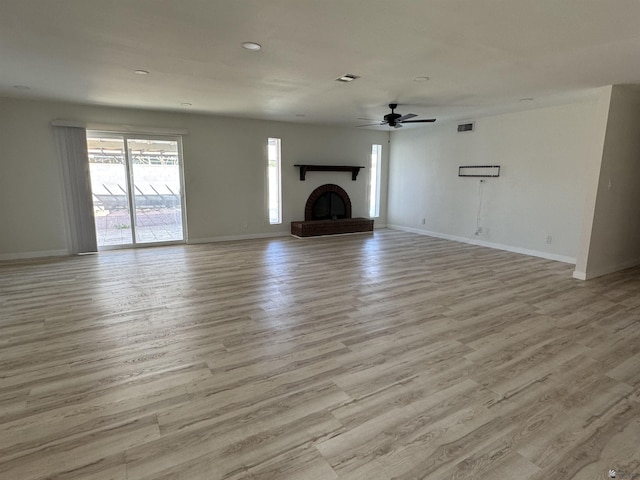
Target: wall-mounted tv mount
479	171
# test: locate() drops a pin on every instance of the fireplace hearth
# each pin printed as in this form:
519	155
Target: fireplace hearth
328	212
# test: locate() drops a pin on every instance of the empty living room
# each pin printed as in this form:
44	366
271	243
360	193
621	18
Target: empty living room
330	239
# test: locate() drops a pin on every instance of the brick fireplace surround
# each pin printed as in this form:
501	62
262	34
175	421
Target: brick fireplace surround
312	227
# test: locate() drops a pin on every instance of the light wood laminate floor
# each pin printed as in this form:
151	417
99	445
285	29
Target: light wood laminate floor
379	356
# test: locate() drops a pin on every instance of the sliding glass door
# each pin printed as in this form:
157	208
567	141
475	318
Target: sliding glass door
137	189
157	201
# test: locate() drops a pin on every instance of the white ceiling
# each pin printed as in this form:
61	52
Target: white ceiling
482	56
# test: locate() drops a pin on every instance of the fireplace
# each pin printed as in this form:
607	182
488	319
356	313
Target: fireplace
328	202
328	212
328	206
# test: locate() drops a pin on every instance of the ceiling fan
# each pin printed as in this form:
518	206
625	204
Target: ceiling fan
396	120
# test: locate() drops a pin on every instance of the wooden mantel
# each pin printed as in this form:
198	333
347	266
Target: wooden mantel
304	168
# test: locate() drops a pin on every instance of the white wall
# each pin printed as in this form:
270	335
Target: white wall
592	179
615	233
224	164
543	154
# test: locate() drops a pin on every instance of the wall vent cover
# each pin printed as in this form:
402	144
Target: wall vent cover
466	127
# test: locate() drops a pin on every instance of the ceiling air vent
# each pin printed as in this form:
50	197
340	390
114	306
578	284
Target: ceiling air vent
466	127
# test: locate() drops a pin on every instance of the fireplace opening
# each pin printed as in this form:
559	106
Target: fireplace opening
329	206
328	202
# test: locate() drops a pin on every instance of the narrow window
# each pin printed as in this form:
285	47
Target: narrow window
273	175
374	181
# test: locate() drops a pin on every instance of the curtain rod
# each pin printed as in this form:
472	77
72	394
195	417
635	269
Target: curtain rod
118	128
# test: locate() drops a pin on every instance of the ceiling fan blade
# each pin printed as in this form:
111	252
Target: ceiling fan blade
428	120
372	124
397	125
406	117
370	119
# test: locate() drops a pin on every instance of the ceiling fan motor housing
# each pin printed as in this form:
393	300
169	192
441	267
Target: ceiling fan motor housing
391	118
396	120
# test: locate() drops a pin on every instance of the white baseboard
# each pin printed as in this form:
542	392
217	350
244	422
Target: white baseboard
589	274
231	238
482	243
27	255
254	236
579	275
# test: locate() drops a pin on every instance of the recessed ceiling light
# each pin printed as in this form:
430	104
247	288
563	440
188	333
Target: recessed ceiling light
21	87
347	77
253	46
421	79
186	104
141	72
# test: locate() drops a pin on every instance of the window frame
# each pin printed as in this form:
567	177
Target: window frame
375	164
278	180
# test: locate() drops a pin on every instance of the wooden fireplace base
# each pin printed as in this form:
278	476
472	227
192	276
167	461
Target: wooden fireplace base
314	228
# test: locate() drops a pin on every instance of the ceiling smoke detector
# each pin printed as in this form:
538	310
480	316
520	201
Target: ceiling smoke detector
347	77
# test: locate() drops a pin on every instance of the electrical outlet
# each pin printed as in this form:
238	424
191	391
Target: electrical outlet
548	240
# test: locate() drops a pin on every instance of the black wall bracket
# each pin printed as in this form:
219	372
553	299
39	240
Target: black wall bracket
479	171
304	168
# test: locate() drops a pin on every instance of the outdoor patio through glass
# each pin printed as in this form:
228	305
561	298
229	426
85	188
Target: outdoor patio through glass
136	186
